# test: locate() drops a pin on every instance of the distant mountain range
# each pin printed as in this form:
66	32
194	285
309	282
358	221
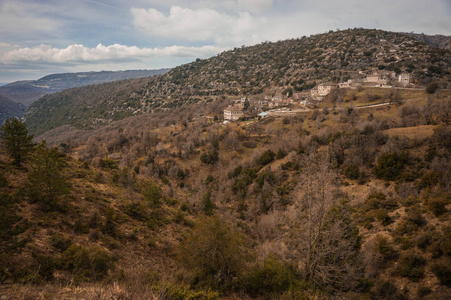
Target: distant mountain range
9	108
28	91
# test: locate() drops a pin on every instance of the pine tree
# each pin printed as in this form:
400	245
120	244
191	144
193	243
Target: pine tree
47	182
16	140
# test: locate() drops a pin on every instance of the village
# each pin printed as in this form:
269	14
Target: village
294	103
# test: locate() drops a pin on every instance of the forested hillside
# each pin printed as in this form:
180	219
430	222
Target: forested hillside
336	202
268	69
9	108
142	191
28	91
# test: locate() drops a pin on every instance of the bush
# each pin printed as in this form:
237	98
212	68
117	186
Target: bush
45	265
108	163
266	157
214	252
352	171
209	179
429	179
207	204
442	270
273	277
411	266
3	180
432	87
60	243
423	291
281	154
386	249
389	166
438	205
136	210
210	158
87	264
388	290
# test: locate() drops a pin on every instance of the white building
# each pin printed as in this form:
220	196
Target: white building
404	78
233	113
321	91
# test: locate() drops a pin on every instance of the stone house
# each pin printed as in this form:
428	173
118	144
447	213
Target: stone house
233	113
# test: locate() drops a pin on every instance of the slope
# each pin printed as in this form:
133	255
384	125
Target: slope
9	108
268	69
27	92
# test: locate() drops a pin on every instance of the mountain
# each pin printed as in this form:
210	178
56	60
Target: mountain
440	41
26	92
346	198
9	108
268	69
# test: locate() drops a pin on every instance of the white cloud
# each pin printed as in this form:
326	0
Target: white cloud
79	54
19	18
200	25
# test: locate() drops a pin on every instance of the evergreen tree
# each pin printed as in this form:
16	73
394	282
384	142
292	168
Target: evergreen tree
16	140
47	183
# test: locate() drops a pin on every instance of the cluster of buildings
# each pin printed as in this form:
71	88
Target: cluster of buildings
318	93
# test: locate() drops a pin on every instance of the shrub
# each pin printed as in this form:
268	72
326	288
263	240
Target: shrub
46	265
210	157
442	269
423	291
236	172
389	166
136	210
438	205
3	180
108	163
385	248
432	87
209	179
352	171
87	264
153	194
273	277
266	157
207	204
388	290
60	243
411	222
411	266
281	154
214	252
429	179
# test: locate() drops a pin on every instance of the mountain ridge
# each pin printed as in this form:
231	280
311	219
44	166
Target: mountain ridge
28	91
267	69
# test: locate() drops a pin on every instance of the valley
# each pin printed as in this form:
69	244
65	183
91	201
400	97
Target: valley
149	189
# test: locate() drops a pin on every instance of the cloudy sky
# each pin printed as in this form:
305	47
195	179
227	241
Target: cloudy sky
41	37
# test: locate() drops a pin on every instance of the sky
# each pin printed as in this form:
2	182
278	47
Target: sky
41	37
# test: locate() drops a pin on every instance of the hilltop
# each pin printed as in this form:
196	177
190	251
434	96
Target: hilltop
269	69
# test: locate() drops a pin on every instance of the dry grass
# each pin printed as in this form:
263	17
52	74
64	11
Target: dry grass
113	291
414	133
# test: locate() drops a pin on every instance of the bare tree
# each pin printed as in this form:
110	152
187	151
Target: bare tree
394	95
328	242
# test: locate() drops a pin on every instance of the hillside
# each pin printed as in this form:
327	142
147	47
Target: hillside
279	69
9	108
26	92
440	41
340	202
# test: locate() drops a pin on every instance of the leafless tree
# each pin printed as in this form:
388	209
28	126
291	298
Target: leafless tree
394	95
326	239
